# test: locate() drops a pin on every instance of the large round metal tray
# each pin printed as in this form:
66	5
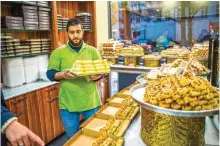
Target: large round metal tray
141	79
137	92
205	74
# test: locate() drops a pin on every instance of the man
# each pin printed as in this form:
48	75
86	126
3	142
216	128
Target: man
77	94
13	131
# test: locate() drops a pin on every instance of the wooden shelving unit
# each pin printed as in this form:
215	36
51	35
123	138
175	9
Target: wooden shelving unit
68	9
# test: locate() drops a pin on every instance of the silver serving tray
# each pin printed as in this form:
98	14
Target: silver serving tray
141	79
205	74
137	93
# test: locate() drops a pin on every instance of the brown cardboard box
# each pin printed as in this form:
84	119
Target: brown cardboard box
86	137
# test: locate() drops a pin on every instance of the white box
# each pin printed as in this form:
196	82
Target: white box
31	71
13	72
42	61
43	74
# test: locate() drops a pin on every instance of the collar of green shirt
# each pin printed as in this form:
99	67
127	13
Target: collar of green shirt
75	48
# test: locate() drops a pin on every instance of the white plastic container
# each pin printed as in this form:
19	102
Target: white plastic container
43	74
42	61
42	66
31	69
13	72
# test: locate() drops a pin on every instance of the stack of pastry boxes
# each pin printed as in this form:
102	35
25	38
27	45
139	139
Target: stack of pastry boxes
109	124
90	67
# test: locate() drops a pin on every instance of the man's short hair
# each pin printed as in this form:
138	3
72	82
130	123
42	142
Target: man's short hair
73	22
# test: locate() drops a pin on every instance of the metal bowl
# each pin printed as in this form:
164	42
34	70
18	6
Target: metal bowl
137	92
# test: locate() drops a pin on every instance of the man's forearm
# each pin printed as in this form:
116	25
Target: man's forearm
59	76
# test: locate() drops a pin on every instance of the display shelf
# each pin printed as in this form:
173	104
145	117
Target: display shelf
26	30
26	55
9	3
61	29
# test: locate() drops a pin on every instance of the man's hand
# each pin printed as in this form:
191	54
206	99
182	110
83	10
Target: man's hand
95	77
19	135
68	74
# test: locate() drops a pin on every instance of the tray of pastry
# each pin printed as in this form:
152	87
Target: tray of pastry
96	122
109	109
127	112
90	67
105	124
86	137
122	99
178	96
125	91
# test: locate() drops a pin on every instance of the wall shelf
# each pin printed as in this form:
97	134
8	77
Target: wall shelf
26	55
26	30
9	3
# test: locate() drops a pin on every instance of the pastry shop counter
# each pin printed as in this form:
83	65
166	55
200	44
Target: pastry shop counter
130	69
16	91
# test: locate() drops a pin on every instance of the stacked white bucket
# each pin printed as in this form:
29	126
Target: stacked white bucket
42	67
17	71
13	72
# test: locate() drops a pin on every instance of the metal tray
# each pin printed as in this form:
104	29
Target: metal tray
205	74
141	79
137	93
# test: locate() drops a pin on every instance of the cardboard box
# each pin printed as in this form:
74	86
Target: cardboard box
130	117
109	109
86	137
125	91
120	100
96	122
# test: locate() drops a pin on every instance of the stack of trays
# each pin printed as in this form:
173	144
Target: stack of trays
31	2
12	22
35	45
7	48
43	3
60	22
17	47
44	20
30	15
45	45
86	20
44	9
64	23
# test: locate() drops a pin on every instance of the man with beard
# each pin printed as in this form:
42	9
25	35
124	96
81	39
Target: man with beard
77	94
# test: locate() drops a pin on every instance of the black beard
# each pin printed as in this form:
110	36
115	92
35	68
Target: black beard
74	44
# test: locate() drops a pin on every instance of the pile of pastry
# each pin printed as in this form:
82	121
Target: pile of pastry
125	111
182	93
113	127
193	65
185	54
90	67
132	51
110	48
104	140
202	52
129	102
171	52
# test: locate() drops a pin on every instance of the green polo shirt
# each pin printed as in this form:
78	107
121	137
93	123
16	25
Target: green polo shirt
79	94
